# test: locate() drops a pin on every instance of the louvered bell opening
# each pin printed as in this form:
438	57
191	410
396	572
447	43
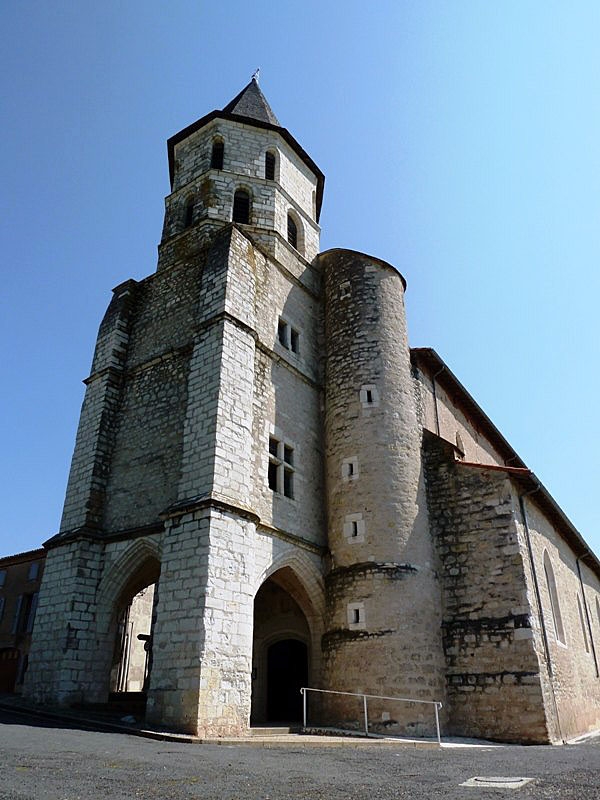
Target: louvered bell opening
292	233
216	159
241	207
269	166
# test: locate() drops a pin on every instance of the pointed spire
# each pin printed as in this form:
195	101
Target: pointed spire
252	103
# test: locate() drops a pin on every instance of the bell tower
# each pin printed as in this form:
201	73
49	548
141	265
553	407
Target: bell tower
239	165
199	368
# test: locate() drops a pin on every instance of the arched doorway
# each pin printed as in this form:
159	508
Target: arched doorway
281	649
132	625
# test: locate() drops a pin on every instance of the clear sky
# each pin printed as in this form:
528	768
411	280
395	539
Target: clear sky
460	141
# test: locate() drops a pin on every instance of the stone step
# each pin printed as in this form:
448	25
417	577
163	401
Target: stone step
274	730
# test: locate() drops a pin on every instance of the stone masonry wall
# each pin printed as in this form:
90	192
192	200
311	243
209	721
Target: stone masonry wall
494	684
574	660
64	642
243	167
452	421
383	602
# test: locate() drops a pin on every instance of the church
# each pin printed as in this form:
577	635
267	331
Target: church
293	497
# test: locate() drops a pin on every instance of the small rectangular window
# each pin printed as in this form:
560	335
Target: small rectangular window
281	467
288	337
269	166
216	159
356	615
31	613
288	483
17	617
2	577
34	569
272	476
295	341
354	531
282	329
2	602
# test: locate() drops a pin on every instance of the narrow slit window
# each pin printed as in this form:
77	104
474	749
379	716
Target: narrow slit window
272	476
292	232
554	602
269	166
295	341
354	529
582	622
369	393
241	207
189	213
282	329
218	152
356	615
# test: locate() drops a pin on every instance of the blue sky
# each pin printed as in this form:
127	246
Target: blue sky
460	141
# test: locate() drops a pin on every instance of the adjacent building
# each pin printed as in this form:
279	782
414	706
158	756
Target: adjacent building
20	578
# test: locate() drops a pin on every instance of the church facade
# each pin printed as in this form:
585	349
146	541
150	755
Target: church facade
312	502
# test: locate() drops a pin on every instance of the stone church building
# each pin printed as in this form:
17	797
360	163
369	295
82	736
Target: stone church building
302	498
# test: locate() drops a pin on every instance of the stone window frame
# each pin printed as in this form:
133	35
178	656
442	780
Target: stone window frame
281	470
242	189
354	528
356	615
271	151
293	216
559	630
345	290
350	470
288	336
217	159
369	396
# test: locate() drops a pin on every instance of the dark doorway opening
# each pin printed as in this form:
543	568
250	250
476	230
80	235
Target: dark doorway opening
287	672
9	664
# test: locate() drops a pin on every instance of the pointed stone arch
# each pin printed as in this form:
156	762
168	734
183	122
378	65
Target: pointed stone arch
131	571
306	571
294	573
128	573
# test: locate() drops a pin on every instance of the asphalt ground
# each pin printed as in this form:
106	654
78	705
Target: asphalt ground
63	761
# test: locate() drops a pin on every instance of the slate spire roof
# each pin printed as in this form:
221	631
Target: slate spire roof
252	103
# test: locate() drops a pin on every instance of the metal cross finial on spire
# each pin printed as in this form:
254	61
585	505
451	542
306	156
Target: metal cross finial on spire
255	75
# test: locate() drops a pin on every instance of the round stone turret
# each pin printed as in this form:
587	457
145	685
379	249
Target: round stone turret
383	613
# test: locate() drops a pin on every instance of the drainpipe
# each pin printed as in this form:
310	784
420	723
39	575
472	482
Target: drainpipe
435	405
585	608
539	601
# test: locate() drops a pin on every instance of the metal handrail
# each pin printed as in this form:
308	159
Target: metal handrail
435	703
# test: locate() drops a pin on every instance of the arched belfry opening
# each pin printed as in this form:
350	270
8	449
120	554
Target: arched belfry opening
281	658
131	629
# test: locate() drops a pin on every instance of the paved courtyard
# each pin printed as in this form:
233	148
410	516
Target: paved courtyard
44	760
